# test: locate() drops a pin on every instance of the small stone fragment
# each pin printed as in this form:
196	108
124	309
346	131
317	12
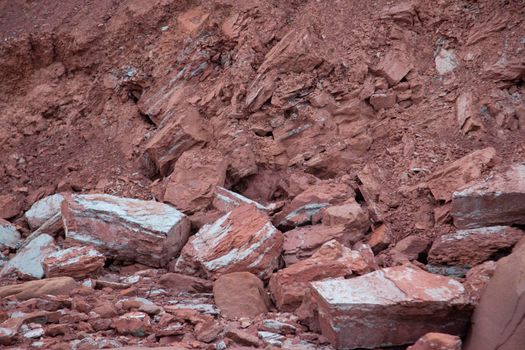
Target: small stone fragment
9	235
137	324
382	101
37	289
28	262
242	337
477	279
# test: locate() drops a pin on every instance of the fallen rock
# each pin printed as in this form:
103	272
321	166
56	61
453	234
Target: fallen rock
10	206
445	181
242	240
382	101
497	322
446	61
477	279
137	324
28	261
433	341
240	294
140	304
380	238
410	248
226	200
74	262
466	113
474	246
395	66
351	215
9	235
330	261
207	331
278	327
242	337
192	184
497	200
128	229
272	339
179	283
361	312
37	289
43	210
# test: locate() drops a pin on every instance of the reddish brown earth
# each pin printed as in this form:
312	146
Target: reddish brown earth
347	104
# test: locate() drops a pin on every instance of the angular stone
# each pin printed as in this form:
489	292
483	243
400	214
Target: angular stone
43	210
498	321
466	113
37	289
175	137
28	261
474	246
9	235
382	101
380	238
178	283
446	61
410	248
240	294
128	229
457	174
74	262
362	312
477	279
192	184
441	341
207	331
278	327
330	261
272	339
351	215
226	200
394	66
242	337
497	200
137	324
10	206
140	304
242	240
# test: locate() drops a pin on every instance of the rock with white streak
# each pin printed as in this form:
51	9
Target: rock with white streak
242	240
446	61
43	210
9	235
126	229
389	307
28	262
226	200
74	262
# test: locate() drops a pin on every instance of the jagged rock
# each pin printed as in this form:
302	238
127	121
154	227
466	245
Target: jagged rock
272	339
129	229
498	321
10	206
371	179
43	210
140	304
477	279
9	235
73	262
226	200
242	240
37	289
330	261
395	66
382	101
177	135
380	238
474	246
441	341
207	331
361	312
349	214
240	294
242	337
446	61
137	324
178	283
466	113
445	181
278	327
192	184
28	261
497	200
410	248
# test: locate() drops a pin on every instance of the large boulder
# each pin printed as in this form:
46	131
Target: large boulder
43	210
242	240
27	263
9	235
389	307
126	229
75	262
497	200
37	289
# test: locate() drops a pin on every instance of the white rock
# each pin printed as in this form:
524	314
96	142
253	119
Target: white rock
43	210
28	261
9	235
446	61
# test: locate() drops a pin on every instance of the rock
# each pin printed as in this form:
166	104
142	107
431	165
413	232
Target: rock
242	337
127	229
497	322
361	312
28	261
497	200
466	113
137	324
474	246
43	210
178	283
330	261
242	240
477	279
140	304
410	248
176	136
371	179
271	338
37	289
382	101
445	181
9	331
441	341
446	61
9	235
278	327
10	206
380	238
192	184
74	262
240	294
226	200
351	215
207	331
394	66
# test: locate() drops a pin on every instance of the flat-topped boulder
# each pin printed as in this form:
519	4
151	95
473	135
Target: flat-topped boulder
126	229
389	307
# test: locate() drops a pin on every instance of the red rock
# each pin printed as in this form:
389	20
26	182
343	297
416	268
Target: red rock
192	184
477	279
242	337
128	229
330	261
240	294
43	210
380	238
441	341
361	312
394	66
74	262
351	215
37	289
371	180
178	283
382	101
9	235
176	136
474	246
410	248
497	200
140	304
466	113
207	331
9	331
278	327
10	206
105	309
137	324
445	181
497	322
226	200
57	330
242	240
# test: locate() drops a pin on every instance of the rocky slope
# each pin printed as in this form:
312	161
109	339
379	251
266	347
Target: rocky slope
295	174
